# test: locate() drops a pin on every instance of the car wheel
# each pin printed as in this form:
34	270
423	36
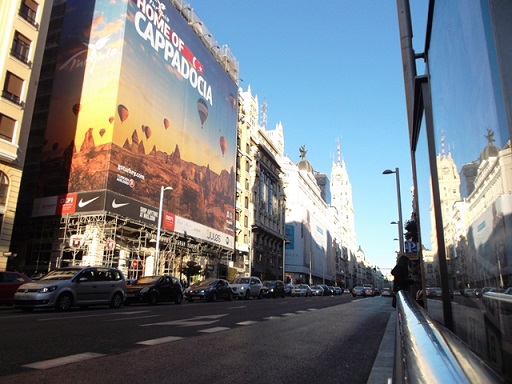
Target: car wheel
190	300
153	298
179	298
260	295
214	296
230	296
247	295
64	302
117	301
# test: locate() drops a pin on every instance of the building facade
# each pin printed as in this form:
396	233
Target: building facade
24	25
130	162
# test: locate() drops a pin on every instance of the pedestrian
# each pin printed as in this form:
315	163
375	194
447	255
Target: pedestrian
401	276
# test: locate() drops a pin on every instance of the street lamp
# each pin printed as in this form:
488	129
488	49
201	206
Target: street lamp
400	222
159	227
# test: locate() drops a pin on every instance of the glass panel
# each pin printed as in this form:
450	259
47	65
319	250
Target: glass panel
475	183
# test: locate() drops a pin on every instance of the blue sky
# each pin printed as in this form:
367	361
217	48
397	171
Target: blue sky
330	70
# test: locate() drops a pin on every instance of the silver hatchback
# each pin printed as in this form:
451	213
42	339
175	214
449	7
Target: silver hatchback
64	288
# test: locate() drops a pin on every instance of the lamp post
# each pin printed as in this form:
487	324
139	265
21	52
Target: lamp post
400	222
159	227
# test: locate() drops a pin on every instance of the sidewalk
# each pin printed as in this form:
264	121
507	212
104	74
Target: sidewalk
382	370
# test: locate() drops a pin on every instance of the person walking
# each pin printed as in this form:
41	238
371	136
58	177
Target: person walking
401	276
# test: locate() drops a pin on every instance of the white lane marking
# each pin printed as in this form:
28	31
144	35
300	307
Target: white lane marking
85	316
288	314
192	322
272	318
304	311
239	307
160	340
133	318
248	322
63	360
213	330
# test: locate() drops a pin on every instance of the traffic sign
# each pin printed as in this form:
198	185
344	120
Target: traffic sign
410	247
134	264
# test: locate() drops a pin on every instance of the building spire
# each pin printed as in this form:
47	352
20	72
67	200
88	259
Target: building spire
339	151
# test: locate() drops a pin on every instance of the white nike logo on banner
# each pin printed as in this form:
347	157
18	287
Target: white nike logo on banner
82	203
118	205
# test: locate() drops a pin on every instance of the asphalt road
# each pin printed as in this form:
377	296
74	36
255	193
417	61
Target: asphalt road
291	340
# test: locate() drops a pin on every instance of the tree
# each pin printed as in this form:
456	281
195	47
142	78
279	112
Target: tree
191	269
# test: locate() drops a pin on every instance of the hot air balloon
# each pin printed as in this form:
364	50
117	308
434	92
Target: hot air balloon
111	119
202	109
147	132
166	123
223	144
123	112
102	131
77	108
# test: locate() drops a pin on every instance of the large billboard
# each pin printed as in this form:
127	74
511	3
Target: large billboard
138	103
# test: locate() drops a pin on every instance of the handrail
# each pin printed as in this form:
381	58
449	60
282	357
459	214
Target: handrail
426	352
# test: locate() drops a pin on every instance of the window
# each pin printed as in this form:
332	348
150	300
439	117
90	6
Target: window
28	11
21	47
12	88
4	189
7	126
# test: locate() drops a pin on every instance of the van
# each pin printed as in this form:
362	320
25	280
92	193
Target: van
64	288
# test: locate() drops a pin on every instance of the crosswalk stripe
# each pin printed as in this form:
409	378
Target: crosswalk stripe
248	322
160	340
213	330
63	360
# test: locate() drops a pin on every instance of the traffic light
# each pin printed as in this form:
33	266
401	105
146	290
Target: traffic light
411	233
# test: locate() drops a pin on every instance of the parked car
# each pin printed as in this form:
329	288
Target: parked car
480	292
338	291
386	292
347	291
273	288
64	288
9	284
247	287
209	290
317	290
302	290
358	291
327	290
154	289
469	292
288	288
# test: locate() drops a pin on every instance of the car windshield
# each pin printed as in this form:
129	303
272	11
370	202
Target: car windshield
148	280
242	280
269	283
60	274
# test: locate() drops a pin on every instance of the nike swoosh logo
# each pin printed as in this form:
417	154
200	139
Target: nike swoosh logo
82	203
118	205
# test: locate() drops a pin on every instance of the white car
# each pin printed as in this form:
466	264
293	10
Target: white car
247	287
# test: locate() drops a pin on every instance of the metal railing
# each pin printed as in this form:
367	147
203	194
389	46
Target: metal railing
426	352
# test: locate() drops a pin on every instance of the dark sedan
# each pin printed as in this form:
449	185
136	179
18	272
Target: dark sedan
210	290
154	289
273	288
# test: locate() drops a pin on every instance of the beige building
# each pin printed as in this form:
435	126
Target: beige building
23	24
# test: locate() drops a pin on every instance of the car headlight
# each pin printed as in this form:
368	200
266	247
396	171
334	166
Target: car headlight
52	288
242	288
